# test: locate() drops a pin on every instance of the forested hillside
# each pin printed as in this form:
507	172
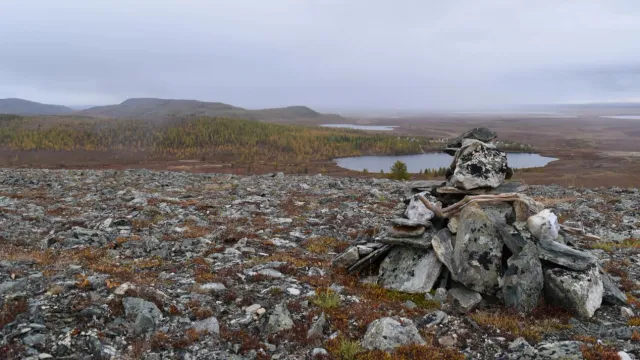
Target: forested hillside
192	137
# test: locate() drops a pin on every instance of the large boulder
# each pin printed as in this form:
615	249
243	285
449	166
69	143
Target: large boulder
477	254
523	281
410	270
388	333
478	165
577	291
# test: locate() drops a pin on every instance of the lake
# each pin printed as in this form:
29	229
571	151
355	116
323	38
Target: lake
415	163
361	127
624	117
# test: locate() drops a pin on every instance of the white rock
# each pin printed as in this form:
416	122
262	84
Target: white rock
252	309
624	356
293	291
122	289
626	312
577	291
544	225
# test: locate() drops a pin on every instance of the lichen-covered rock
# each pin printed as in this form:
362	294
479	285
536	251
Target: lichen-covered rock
523	281
481	134
410	270
577	291
478	165
279	320
477	254
416	212
388	333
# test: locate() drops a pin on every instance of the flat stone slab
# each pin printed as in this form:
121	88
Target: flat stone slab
410	270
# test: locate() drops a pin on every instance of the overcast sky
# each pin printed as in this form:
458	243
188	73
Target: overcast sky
328	54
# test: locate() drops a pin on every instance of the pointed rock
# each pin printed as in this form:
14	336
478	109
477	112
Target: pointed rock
441	243
566	256
523	281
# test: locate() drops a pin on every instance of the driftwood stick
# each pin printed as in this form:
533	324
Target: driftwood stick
430	206
369	259
508	197
580	232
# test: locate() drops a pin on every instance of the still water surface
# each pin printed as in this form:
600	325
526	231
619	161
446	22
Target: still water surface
419	162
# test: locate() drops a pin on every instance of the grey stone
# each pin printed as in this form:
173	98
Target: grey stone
441	243
482	134
566	256
463	299
612	294
11	287
523	281
477	165
519	349
134	306
499	213
578	292
441	295
35	340
209	325
544	225
317	328
565	350
279	320
388	333
477	256
410	270
144	323
417	212
621	333
433	319
347	258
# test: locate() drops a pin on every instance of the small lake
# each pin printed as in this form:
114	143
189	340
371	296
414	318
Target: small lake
415	163
624	117
361	127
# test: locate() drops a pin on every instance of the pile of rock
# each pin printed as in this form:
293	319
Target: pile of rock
497	244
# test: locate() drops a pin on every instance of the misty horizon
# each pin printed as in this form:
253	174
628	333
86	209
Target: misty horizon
360	56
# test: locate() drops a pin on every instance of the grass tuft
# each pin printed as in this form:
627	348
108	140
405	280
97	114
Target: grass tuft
326	299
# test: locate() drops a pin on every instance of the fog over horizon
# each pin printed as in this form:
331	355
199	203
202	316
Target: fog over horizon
329	55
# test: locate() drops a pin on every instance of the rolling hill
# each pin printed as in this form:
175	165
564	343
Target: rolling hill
26	107
151	108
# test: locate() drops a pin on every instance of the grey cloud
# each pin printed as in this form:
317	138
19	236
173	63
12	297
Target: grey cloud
326	54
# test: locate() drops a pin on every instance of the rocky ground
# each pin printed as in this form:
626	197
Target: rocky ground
162	265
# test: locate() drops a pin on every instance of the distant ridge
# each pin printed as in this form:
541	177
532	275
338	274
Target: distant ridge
165	108
26	107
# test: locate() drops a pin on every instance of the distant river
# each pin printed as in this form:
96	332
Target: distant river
415	163
361	127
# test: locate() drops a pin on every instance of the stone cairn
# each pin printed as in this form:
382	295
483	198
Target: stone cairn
478	236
